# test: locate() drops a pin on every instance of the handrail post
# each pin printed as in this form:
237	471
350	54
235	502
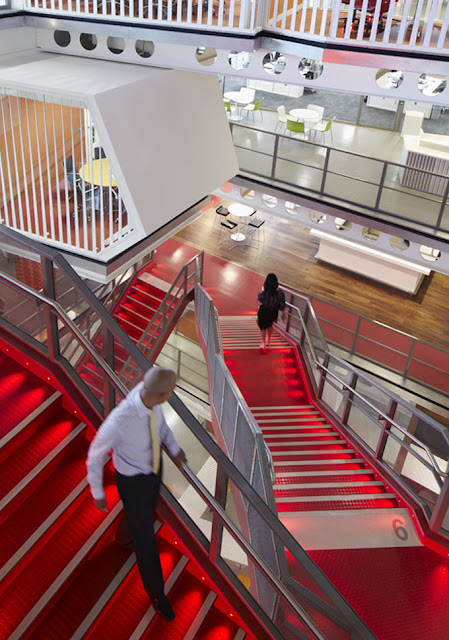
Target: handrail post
348	404
48	283
320	389
381	185
356	335
275	155
382	442
440	509
109	401
443	206
326	165
221	491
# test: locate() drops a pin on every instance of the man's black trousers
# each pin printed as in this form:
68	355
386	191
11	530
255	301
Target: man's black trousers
139	495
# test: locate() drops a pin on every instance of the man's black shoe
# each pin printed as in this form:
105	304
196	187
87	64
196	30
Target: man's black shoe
163	607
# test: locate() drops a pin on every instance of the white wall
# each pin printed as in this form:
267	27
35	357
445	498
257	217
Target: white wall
170	137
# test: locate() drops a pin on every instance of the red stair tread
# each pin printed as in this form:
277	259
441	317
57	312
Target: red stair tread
130	602
21	589
21	392
305	447
358	477
283	468
31	513
186	597
327	491
75	602
277	458
217	626
338	505
29	454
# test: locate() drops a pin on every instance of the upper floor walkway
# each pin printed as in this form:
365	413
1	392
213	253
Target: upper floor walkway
407	27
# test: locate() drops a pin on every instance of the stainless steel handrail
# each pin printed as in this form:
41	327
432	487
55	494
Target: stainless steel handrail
63	317
343	363
355	335
198	259
49	257
379	185
391	421
325	146
250	551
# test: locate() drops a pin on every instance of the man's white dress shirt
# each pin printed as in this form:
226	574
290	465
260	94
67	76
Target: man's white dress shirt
127	432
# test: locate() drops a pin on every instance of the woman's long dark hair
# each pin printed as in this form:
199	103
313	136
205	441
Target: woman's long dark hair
270	286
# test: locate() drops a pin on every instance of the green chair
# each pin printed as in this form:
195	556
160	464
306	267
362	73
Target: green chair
293	126
227	106
253	107
324	127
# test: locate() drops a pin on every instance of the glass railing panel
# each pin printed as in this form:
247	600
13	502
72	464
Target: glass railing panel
253	139
297	174
406	195
229	418
302	152
27	314
349	189
334	395
254	162
362	420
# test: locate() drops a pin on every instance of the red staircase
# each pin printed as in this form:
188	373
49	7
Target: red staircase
316	469
134	312
63	575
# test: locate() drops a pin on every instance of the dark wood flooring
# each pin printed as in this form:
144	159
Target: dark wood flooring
289	252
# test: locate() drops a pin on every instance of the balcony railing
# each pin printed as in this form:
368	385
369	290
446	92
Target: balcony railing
384	24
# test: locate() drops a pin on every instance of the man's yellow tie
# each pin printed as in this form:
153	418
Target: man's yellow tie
155	443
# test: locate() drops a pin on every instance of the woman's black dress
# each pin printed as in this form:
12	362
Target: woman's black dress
269	308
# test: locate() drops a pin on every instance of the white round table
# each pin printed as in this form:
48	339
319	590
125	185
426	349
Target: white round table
239	211
308	115
237	98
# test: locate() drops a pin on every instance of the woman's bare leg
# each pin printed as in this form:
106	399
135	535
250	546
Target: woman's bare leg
263	335
269	332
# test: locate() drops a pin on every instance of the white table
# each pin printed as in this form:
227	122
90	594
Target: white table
238	99
307	115
239	211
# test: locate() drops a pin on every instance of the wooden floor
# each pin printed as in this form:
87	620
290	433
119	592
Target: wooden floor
289	252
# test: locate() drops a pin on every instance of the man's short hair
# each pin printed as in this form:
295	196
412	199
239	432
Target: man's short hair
158	380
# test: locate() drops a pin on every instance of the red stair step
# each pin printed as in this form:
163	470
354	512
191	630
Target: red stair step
33	451
32	512
217	626
74	603
337	505
21	590
327	491
274	448
313	456
186	598
21	392
130	602
286	480
282	468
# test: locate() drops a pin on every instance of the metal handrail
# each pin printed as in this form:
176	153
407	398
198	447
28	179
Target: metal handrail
159	314
249	550
434	423
356	334
32	293
339	150
441	201
232	473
